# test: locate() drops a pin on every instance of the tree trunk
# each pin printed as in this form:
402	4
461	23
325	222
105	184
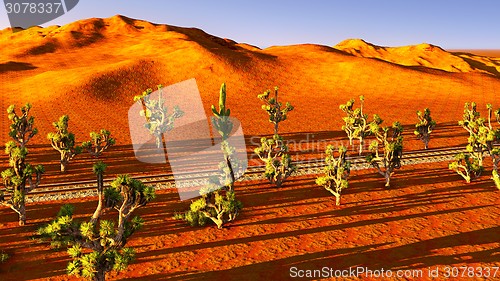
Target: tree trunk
337	199
387	180
100	204
22	214
426	143
64	165
361	142
100	275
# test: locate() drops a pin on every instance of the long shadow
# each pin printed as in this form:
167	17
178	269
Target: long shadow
151	254
271	270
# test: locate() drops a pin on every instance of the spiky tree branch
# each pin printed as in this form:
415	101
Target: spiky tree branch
391	141
424	126
64	142
98	143
158	119
336	171
21	177
104	240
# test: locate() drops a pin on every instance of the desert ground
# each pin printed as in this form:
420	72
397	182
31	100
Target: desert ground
91	69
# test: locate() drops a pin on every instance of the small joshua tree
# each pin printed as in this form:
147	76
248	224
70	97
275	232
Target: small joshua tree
336	172
274	152
391	140
218	200
482	136
21	177
158	120
98	246
98	143
356	122
466	166
424	126
64	142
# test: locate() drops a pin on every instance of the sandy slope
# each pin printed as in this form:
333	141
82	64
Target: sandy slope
92	68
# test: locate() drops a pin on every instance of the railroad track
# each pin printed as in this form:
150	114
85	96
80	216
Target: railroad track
77	189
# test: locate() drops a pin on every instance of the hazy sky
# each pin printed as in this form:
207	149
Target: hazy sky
447	23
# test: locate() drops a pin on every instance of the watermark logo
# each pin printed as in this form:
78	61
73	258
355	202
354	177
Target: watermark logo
170	125
28	13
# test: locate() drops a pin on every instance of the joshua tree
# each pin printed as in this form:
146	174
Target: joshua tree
391	140
496	178
336	172
218	200
466	166
21	177
98	143
158	120
424	126
482	137
275	108
274	151
356	122
64	142
98	246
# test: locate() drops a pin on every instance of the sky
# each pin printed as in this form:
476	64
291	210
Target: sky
451	24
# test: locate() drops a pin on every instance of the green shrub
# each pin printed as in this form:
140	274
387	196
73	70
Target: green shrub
336	171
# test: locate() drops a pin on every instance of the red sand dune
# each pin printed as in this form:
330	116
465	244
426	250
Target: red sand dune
91	69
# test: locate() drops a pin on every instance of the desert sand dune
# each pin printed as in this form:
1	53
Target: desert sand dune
98	64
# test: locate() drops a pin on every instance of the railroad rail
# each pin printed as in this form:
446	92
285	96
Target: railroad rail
77	189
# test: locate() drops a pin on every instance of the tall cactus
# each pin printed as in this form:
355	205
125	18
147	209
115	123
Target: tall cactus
21	177
64	142
218	200
158	119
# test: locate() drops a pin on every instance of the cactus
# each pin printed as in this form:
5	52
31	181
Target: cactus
218	200
466	166
98	247
21	178
274	151
336	172
64	142
424	126
98	143
391	140
158	120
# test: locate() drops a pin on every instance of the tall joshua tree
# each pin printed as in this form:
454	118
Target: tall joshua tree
274	152
424	126
218	201
391	141
98	246
21	177
158	119
98	143
356	122
337	171
64	142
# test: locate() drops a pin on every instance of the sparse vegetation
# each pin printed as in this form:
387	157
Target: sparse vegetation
3	257
98	246
21	177
98	142
274	151
158	119
64	142
218	201
482	137
391	141
424	126
337	172
356	122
